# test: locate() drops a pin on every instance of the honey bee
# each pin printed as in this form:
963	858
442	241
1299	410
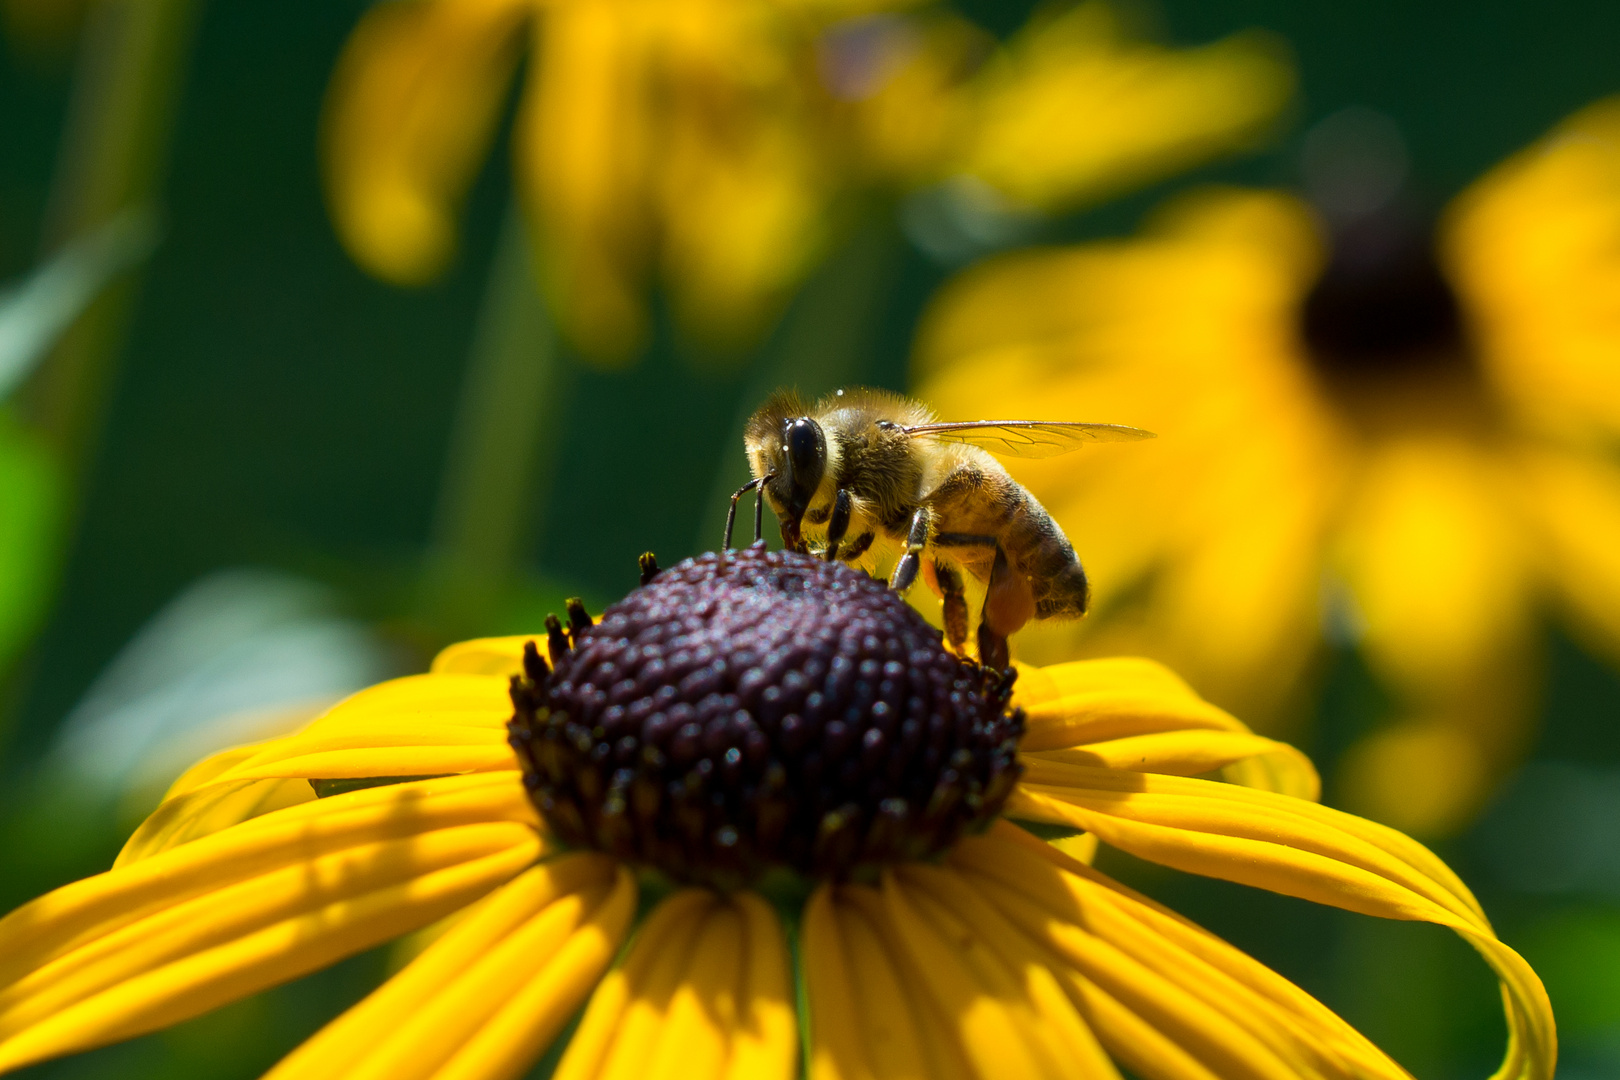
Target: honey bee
869	478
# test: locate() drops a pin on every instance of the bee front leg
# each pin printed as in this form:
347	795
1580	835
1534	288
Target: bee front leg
731	514
905	571
838	524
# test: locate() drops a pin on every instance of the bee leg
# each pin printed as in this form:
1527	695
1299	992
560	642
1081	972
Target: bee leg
1008	605
731	515
955	605
905	571
838	524
759	512
993	652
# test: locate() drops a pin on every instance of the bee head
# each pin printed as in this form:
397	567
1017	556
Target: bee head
801	461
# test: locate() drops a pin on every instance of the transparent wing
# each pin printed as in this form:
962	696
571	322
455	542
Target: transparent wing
1028	438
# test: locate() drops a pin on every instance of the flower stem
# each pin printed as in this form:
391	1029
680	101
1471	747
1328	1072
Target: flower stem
113	159
498	466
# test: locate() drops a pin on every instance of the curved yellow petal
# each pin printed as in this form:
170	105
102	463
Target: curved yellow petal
85	910
469	700
1166	997
195	814
485	656
1135	714
378	749
704	992
409	116
1176	753
485	999
179	933
1296	848
1091	701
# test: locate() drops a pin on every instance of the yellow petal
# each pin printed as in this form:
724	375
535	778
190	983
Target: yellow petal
484	656
621	1019
765	1041
1071	111
1296	848
1575	500
1166	997
94	907
1434	556
1177	753
868	1016
584	148
484	999
704	993
1091	701
422	725
1006	966
1529	247
186	930
409	117
1136	715
463	699
997	1028
195	814
377	749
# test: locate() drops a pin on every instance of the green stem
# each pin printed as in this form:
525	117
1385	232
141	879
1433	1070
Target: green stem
115	148
113	159
499	464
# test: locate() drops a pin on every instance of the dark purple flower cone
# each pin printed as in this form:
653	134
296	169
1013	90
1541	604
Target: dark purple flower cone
758	710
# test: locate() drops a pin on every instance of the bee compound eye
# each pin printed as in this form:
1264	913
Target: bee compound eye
807	451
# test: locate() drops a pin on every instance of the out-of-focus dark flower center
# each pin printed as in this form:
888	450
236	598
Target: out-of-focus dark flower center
1382	305
755	710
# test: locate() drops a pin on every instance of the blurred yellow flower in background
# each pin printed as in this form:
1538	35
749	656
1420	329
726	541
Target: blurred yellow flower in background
1404	443
716	144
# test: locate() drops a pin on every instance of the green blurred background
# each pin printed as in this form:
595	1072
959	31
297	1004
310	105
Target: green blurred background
275	407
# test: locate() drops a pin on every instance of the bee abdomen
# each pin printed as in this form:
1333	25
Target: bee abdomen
1037	548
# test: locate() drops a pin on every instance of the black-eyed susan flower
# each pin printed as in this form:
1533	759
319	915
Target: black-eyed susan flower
1403	438
813	803
708	142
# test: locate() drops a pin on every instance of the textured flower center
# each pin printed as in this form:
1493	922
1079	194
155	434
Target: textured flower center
1382	305
758	710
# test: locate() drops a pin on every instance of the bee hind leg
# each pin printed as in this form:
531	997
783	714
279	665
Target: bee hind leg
954	600
1009	603
905	571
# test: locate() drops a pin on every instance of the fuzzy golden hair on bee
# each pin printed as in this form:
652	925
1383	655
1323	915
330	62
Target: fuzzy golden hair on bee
869	478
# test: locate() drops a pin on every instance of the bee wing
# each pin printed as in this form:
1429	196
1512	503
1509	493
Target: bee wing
1027	438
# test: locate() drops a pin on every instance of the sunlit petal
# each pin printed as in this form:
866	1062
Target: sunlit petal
486	998
1012	1017
1296	848
704	992
170	936
1166	997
